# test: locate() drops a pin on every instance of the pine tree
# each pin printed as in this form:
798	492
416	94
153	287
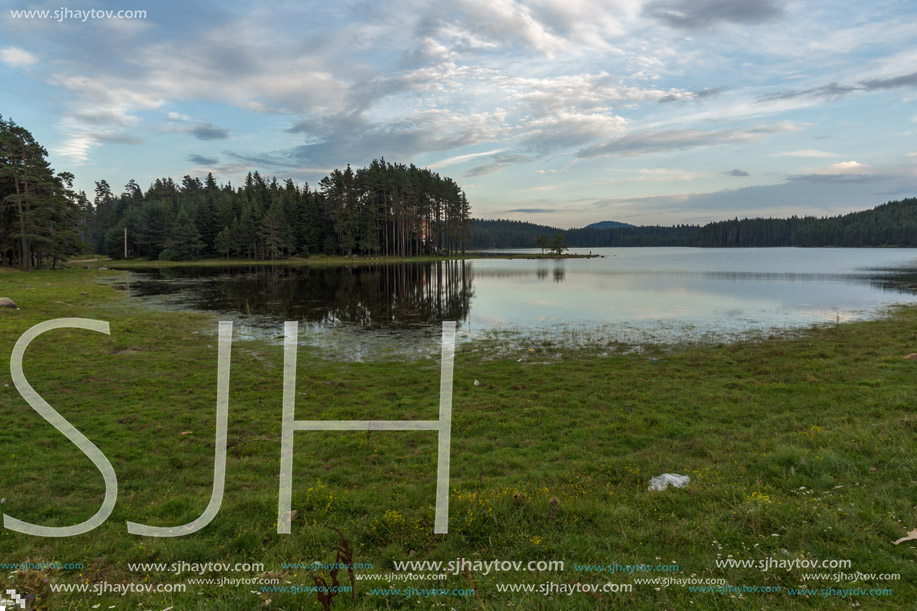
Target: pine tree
223	242
184	241
274	232
40	213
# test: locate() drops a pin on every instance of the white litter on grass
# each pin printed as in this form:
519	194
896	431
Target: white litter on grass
661	482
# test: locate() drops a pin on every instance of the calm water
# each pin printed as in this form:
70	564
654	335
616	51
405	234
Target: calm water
632	295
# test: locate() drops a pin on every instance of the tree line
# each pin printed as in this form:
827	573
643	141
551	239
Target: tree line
502	233
891	224
383	209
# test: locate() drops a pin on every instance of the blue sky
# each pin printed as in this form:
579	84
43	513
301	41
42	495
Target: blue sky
560	112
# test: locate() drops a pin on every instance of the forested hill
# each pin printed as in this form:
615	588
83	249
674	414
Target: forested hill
607	225
891	224
520	234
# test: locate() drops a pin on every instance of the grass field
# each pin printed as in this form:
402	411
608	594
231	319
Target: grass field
798	449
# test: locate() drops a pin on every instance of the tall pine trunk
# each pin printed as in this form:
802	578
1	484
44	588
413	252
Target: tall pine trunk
25	256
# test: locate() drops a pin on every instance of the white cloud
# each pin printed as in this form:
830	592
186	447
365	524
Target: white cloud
664	175
14	57
807	153
76	147
846	167
848	172
101	113
665	141
461	158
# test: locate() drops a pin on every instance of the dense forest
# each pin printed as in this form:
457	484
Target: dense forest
520	234
890	224
42	218
383	209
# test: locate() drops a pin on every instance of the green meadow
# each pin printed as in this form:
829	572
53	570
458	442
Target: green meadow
799	448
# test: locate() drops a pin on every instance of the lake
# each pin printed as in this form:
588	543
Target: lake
629	297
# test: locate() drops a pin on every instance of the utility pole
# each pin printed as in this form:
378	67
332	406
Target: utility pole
125	241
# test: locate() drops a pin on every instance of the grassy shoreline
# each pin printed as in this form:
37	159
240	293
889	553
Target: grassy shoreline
798	448
315	260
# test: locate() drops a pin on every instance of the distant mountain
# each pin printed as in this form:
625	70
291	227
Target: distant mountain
503	233
890	224
607	225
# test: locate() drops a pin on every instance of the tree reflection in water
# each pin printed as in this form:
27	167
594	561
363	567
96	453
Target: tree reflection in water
392	295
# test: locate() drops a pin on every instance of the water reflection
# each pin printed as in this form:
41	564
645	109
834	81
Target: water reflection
631	296
369	295
541	273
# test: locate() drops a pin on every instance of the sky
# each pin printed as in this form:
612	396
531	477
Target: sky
558	112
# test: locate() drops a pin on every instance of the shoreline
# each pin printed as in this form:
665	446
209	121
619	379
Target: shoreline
317	260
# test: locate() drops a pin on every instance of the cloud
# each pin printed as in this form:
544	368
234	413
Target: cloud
207	131
460	159
738	173
100	112
646	142
351	103
807	153
847	167
334	140
499	163
204	161
14	57
842	172
281	159
548	114
530	210
691	95
834	90
102	117
506	22
660	175
704	14
907	80
831	91
569	129
117	138
544	26
465	83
